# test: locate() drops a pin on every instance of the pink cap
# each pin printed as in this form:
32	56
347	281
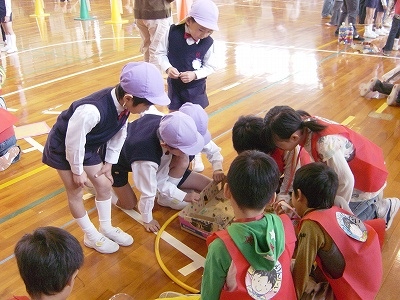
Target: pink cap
205	13
200	118
144	80
178	130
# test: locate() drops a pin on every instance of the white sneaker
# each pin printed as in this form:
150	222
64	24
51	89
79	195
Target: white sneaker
197	162
369	34
5	48
103	245
387	209
172	203
12	50
365	88
118	235
392	98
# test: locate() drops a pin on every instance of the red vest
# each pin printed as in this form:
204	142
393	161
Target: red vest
363	272
368	165
6	125
285	289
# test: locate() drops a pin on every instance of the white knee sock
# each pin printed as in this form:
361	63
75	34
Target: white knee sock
88	228
104	211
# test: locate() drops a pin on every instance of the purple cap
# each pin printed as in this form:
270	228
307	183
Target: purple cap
178	130
200	118
144	80
205	13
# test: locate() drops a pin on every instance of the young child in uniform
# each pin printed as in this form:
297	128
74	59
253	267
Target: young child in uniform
48	261
358	162
346	250
186	54
73	144
151	144
251	258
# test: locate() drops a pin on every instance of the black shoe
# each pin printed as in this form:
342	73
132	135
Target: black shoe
337	32
358	38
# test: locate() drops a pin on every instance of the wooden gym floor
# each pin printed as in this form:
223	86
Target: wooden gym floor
271	53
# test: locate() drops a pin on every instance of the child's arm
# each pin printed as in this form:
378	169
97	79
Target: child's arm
145	178
216	269
162	53
310	239
84	119
214	156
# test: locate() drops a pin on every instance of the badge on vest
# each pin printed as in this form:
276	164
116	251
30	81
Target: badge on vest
352	226
262	284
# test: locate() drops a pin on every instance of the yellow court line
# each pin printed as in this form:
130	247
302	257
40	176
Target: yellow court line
19	178
348	120
382	108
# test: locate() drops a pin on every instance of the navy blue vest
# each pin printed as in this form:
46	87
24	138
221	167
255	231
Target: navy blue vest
108	126
142	143
183	55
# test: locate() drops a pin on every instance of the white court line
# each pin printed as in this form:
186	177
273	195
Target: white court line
72	75
198	260
36	145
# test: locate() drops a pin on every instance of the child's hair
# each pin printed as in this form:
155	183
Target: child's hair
47	259
318	183
253	178
283	121
248	134
120	92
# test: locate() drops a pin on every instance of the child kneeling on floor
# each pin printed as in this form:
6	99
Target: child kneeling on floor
251	258
346	250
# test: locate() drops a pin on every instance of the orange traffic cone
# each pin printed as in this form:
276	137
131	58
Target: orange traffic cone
39	12
183	10
115	14
84	12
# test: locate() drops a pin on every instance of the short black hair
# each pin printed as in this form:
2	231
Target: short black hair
248	134
120	93
47	259
318	182
253	178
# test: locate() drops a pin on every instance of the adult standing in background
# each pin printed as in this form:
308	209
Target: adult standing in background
6	23
153	18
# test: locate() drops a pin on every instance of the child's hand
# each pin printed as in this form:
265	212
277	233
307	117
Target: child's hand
192	197
187	76
106	170
173	73
80	180
152	226
218	175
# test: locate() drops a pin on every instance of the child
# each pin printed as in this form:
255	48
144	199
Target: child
248	134
346	250
186	54
6	18
394	33
48	260
383	87
212	151
251	258
358	162
151	144
73	144
10	152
